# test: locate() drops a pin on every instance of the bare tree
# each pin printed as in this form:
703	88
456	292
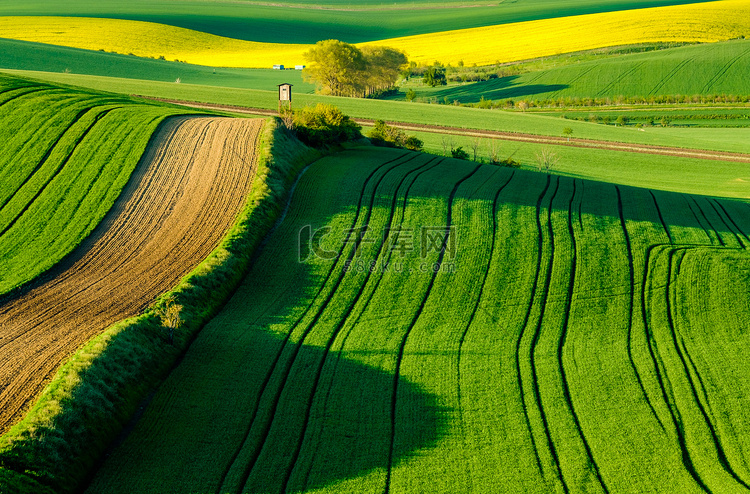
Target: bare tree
475	142
546	159
494	151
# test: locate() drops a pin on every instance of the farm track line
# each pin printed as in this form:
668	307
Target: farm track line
475	309
660	369
705	225
524	324
353	302
182	197
564	336
371	292
718	210
59	168
247	470
731	220
720	73
16	96
510	136
45	157
669	76
366	303
537	332
669	294
417	314
631	274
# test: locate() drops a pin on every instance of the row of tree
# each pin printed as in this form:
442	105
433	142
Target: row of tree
342	69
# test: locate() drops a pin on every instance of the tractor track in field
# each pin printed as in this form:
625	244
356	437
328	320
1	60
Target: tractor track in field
347	313
410	327
285	367
186	191
509	136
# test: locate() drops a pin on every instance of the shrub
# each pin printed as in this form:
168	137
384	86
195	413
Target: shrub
459	153
383	134
323	125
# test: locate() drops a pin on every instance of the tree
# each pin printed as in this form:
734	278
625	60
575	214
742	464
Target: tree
622	120
568	131
546	159
342	69
410	94
475	143
383	68
335	66
435	76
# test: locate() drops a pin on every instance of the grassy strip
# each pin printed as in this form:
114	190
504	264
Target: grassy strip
96	392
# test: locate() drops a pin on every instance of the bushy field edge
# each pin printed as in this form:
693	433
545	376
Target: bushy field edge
97	391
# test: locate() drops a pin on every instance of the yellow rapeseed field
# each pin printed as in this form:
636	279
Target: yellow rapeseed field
147	39
703	22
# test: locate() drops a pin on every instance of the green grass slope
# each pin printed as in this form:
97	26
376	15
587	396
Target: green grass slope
66	156
23	55
421	324
303	21
708	69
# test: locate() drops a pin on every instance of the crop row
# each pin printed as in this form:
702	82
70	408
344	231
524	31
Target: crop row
66	157
419	323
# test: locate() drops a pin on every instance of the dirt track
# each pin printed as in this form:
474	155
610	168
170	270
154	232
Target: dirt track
510	136
186	191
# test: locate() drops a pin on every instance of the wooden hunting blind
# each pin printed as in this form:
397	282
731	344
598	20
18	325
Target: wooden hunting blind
285	92
285	95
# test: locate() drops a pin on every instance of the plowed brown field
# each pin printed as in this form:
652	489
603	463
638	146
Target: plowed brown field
185	193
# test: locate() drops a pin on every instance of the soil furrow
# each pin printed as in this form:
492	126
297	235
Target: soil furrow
134	246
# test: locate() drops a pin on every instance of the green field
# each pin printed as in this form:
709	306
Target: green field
23	55
708	69
668	173
66	156
297	22
736	140
358	359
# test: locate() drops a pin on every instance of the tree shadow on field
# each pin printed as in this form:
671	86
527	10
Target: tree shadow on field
495	89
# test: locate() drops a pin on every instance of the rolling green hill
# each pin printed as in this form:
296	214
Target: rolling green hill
66	157
24	55
302	21
708	69
424	324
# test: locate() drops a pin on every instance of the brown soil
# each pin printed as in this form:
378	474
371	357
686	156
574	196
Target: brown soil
510	136
183	196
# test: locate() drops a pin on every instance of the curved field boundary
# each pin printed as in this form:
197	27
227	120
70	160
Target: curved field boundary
186	192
